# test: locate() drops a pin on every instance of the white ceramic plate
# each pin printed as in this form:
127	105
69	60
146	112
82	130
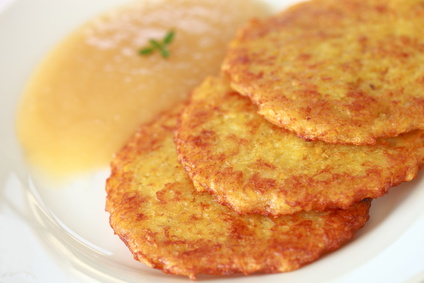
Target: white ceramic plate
74	225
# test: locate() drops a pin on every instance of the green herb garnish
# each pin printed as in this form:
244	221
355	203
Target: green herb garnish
161	46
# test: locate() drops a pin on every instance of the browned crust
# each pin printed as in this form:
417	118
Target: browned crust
168	225
338	71
256	167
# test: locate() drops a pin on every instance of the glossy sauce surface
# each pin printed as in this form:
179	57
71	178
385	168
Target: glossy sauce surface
91	92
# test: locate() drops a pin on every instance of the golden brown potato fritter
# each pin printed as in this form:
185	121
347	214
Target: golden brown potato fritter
337	71
254	166
168	225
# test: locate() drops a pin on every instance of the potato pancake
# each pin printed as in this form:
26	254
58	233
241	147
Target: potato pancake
347	72
254	166
169	225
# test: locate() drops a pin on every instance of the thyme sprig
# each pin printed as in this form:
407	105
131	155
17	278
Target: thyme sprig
161	46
